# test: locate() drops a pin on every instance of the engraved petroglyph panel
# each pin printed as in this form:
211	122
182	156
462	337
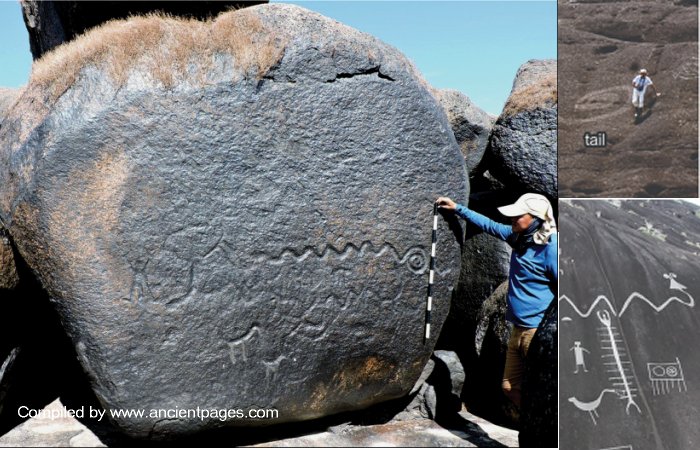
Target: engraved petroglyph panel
260	235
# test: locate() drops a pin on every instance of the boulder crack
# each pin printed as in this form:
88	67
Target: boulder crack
371	71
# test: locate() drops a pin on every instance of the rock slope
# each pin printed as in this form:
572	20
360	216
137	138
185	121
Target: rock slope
602	46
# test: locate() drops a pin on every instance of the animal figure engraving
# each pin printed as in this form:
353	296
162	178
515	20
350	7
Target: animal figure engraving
237	347
591	406
610	342
271	369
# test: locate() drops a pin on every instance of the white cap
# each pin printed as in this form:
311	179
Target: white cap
534	204
538	206
643	71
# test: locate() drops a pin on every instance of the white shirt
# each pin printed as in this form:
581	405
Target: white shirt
641	83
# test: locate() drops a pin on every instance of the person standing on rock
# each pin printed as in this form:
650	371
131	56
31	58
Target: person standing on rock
533	275
640	84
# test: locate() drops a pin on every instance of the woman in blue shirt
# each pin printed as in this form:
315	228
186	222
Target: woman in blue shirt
533	276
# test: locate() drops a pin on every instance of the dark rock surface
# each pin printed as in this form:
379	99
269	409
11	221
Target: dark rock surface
470	124
51	23
602	46
522	149
629	269
538	412
483	393
260	239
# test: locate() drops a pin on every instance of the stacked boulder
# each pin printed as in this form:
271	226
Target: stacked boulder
470	125
233	214
522	151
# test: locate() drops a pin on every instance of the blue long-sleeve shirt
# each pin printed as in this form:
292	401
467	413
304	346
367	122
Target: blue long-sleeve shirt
533	273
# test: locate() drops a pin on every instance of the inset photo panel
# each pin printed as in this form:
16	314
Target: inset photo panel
628	109
628	291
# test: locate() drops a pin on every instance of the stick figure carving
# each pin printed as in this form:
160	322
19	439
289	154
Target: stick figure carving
578	355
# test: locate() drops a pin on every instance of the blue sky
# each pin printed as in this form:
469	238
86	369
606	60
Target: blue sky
472	46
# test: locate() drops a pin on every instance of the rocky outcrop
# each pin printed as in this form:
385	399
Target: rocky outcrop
538	414
470	124
436	394
52	23
242	225
628	295
522	150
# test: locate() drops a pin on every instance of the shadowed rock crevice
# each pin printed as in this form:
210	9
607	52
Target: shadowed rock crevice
374	70
37	360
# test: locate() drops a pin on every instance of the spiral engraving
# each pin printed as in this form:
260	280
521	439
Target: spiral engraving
417	260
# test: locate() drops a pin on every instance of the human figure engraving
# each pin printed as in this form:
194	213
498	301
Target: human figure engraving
578	356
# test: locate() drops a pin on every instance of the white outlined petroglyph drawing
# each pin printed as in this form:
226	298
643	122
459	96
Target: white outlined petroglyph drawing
688	70
578	356
602	299
666	376
622	447
622	381
601	104
590	407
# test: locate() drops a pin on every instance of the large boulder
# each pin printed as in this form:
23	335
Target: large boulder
51	23
538	412
470	124
436	394
522	150
235	214
629	289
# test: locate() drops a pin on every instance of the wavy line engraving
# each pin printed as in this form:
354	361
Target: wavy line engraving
674	285
415	258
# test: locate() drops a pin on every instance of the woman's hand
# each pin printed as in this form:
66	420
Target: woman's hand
446	203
